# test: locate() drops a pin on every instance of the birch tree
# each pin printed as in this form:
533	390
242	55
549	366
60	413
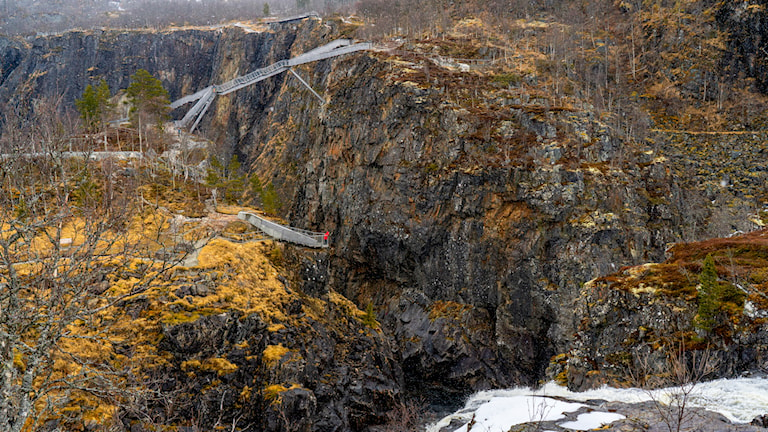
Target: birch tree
57	256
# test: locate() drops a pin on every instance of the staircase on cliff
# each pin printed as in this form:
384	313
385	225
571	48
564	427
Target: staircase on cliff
205	96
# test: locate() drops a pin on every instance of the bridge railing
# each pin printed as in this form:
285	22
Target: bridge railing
205	96
285	233
296	18
315	56
195	110
329	46
255	76
92	155
188	99
332	49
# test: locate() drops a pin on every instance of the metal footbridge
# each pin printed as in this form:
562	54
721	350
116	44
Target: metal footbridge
206	96
285	233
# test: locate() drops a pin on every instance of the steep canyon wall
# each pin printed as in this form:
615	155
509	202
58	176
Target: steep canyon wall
470	226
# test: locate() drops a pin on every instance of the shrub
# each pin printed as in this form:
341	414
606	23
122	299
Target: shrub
275	256
270	200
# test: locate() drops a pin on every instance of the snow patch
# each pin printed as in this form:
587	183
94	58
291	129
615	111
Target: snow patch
592	420
499	414
739	399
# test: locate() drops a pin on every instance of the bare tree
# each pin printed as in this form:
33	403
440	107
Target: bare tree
406	415
682	372
60	241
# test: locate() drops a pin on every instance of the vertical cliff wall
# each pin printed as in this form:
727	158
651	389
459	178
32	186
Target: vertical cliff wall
471	226
468	213
185	60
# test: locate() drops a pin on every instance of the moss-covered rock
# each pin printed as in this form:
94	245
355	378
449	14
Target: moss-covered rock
629	323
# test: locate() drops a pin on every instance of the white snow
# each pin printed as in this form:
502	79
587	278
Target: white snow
501	413
740	400
592	420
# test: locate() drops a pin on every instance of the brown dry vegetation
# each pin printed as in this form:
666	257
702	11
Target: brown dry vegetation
112	235
741	258
740	261
641	64
675	288
243	279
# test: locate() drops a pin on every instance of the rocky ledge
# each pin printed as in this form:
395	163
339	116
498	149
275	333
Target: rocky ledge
630	326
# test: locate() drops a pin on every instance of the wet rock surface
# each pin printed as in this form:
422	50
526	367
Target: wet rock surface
423	211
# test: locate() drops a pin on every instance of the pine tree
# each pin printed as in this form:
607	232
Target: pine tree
146	94
265	9
233	167
94	106
102	97
214	173
270	200
235	184
149	100
369	318
256	187
88	107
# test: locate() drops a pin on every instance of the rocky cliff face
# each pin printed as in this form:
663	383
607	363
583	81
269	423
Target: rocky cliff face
471	227
631	323
185	60
319	368
746	23
266	356
467	206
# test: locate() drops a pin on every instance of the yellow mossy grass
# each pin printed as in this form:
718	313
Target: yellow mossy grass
148	231
220	252
273	353
75	230
175	318
233	209
190	364
239	277
219	365
88	347
89	408
272	392
101	414
345	304
145	231
18	361
245	394
251	286
123	286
